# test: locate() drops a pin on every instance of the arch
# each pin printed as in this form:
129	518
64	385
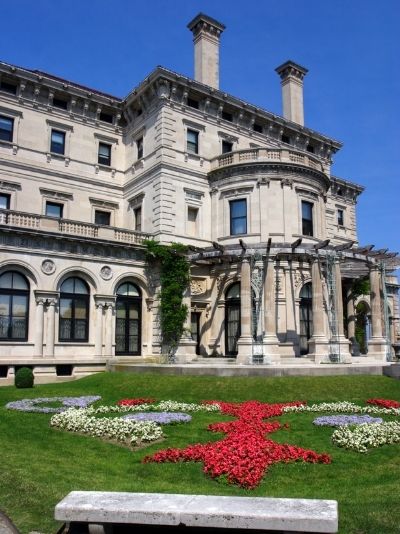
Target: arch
74	310
128	319
80	272
27	270
14	306
135	278
306	318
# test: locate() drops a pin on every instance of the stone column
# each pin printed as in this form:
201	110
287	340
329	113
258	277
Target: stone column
377	343
291	330
109	330
51	325
149	325
39	327
351	315
245	340
186	350
270	339
217	319
98	342
318	343
344	345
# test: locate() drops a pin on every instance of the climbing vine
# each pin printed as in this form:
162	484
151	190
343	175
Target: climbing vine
174	277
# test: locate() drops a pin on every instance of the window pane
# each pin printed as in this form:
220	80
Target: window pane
104	154
233	292
65	308
306	208
4	325
19	282
4	202
20	305
120	311
192	141
102	217
80	287
80	329
238	212
65	328
138	219
239	226
54	210
226	147
67	286
5	305
133	313
18	328
57	142
238	208
80	309
6	128
6	281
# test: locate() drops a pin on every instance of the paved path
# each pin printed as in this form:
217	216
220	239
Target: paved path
6	526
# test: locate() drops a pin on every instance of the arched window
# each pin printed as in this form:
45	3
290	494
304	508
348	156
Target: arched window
128	319
14	306
74	310
232	319
305	317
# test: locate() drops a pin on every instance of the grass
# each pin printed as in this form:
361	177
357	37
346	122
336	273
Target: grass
41	465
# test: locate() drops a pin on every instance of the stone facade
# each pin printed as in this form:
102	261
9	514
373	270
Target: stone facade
85	177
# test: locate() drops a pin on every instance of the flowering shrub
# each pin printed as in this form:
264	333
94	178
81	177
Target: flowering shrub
343	407
35	405
162	418
341	420
245	454
135	402
364	437
133	432
385	403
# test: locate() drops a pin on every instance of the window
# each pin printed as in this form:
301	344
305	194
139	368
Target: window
57	145
227	116
104	154
285	139
14	306
137	213
106	117
74	310
310	148
192	103
4	201
60	103
192	216
193	141
257	127
307	218
102	217
54	209
8	87
226	146
139	147
238	216
6	128
340	217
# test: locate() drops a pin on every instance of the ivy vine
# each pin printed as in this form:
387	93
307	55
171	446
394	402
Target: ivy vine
174	278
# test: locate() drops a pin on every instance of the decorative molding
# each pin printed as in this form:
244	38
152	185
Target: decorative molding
10	186
136	200
239	190
194	125
100	203
59	195
106	272
198	286
60	125
106	138
11	112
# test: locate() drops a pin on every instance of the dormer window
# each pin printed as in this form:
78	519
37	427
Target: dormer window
8	87
285	139
60	103
257	127
310	148
193	103
106	117
227	116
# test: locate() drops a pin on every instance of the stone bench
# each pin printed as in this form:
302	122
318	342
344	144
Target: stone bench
114	512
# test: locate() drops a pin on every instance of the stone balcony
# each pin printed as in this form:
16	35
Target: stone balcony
269	155
31	221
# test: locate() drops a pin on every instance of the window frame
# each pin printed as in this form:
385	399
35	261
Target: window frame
140	147
138	210
226	144
340	217
306	223
11	292
192	147
99	156
53	144
7	196
102	212
233	219
58	204
11	135
74	297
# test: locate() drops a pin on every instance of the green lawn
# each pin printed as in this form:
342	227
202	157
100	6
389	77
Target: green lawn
41	465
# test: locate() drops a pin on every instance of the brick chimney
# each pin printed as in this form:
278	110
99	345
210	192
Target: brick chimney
292	76
206	34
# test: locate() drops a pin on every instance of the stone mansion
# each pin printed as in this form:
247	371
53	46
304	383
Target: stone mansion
86	177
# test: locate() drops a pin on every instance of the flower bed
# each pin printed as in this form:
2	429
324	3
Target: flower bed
342	420
245	454
162	418
36	405
364	437
385	403
135	402
343	407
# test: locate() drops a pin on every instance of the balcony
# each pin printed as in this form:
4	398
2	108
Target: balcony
268	155
31	221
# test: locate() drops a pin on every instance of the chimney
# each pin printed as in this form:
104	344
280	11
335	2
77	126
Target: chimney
292	91
206	33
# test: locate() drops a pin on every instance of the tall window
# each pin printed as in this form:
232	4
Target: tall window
192	216
137	213
57	145
192	141
305	317
104	157
74	310
340	217
54	209
14	305
128	319
307	218
226	147
6	128
238	216
232	319
139	146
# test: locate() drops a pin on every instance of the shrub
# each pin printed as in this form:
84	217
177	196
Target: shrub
24	378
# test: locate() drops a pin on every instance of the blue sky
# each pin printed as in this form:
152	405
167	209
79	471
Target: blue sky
351	48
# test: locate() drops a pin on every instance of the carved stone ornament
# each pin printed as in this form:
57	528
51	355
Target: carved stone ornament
106	272
48	266
197	287
301	278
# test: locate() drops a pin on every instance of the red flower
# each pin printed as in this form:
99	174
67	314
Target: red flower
245	454
135	402
385	403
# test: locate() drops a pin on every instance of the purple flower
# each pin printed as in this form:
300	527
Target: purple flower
35	405
342	420
163	418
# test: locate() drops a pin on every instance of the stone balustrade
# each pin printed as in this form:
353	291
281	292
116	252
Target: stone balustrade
31	221
266	155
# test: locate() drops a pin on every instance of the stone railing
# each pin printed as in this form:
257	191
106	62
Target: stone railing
32	221
263	155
